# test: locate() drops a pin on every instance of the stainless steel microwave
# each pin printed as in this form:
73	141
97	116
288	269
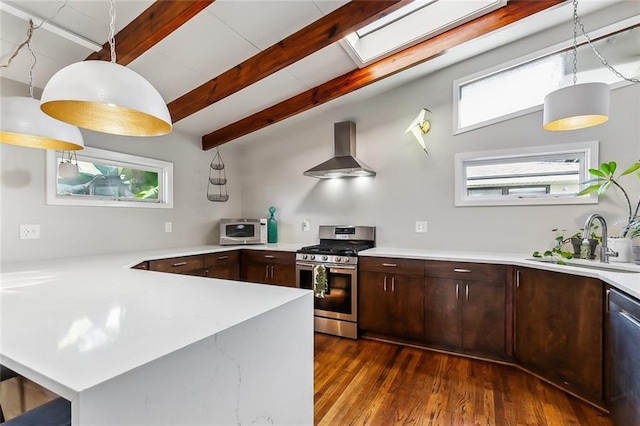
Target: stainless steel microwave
243	231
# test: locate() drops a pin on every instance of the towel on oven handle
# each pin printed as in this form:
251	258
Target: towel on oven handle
320	282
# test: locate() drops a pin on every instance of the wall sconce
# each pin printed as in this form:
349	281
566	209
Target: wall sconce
420	127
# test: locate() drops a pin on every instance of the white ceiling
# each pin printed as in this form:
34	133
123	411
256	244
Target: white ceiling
223	35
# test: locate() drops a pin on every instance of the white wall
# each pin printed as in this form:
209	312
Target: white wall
412	186
73	231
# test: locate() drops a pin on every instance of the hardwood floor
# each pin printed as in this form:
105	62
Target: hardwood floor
365	382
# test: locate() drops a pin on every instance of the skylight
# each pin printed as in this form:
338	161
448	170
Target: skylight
409	25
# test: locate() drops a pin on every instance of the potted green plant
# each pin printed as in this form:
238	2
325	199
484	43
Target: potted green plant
594	240
604	178
557	253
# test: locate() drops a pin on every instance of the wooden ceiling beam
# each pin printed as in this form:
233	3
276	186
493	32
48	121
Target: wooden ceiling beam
159	20
354	80
315	36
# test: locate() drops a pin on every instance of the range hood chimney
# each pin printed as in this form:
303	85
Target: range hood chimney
344	163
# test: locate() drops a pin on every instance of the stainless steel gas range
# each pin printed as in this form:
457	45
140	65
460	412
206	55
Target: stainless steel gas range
337	312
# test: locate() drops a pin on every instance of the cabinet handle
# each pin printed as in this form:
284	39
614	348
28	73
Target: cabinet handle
518	278
466	291
393	283
269	256
606	301
630	318
391	265
457	291
223	257
384	283
175	265
266	272
463	271
273	268
206	272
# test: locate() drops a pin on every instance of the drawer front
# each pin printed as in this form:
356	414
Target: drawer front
392	265
464	271
178	265
226	258
267	256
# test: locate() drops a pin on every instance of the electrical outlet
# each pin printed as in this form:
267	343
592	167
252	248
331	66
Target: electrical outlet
29	232
306	225
168	227
421	226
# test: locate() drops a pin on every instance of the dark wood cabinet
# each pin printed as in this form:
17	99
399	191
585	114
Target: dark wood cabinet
559	330
187	265
462	314
391	297
269	267
224	265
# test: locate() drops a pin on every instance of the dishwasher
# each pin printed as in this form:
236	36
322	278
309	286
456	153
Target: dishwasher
624	355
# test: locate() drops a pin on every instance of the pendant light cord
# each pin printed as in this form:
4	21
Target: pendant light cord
27	43
577	22
112	30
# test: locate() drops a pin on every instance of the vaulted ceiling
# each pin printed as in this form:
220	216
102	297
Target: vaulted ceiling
230	67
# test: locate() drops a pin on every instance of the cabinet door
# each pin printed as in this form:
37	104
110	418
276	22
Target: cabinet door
443	312
225	265
372	303
559	329
483	318
284	275
256	272
405	306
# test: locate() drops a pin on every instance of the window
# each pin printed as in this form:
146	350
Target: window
519	87
538	175
107	178
411	24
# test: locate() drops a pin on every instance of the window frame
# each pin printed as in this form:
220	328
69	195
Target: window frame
589	149
505	66
165	180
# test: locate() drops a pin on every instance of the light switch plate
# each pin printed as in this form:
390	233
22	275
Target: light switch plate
168	227
421	226
29	232
306	225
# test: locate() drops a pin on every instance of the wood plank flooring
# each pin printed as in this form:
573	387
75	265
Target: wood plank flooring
365	382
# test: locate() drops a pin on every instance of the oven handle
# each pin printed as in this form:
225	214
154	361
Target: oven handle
332	267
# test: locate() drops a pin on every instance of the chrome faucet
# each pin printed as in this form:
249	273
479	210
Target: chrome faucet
605	251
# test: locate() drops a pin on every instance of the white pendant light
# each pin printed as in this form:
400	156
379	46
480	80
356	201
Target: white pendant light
23	124
419	127
581	105
576	107
106	97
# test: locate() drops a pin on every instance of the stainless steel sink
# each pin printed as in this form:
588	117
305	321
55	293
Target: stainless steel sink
625	268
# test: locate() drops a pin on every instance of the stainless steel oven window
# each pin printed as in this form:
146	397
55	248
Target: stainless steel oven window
340	301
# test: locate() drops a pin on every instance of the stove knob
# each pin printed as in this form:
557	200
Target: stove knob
312	257
338	259
304	256
324	257
346	260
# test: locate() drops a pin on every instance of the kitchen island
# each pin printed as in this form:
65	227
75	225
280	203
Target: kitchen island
146	348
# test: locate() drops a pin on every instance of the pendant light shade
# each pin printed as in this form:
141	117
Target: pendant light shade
576	107
22	123
106	97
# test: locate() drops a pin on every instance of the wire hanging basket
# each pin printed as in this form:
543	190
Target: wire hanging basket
217	186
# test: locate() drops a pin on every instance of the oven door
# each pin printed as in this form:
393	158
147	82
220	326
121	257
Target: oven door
340	301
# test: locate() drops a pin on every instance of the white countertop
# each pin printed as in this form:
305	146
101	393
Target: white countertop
74	323
78	322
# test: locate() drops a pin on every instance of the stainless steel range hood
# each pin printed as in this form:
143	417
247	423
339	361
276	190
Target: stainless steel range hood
344	163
